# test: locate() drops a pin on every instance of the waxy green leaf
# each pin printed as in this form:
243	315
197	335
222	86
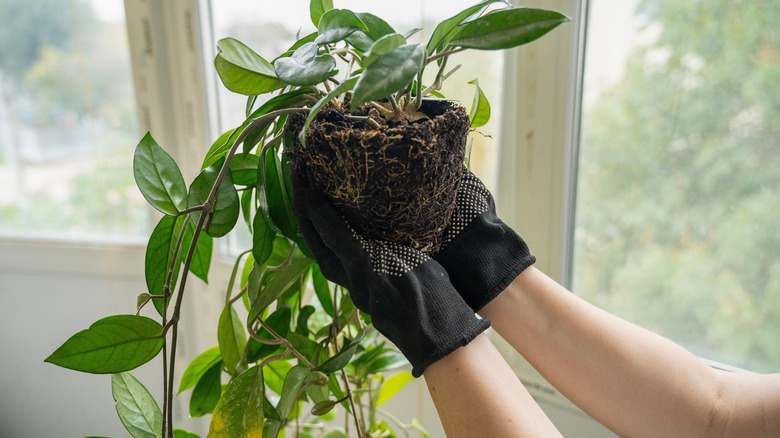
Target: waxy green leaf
506	28
337	24
305	67
317	8
136	407
231	337
377	28
242	70
181	433
226	203
198	367
393	385
201	258
284	279
239	413
274	374
111	345
159	257
279	321
383	45
342	358
277	205
322	289
480	107
389	73
443	31
263	237
158	177
243	169
293	383
206	394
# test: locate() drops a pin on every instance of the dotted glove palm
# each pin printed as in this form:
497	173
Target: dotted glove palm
407	294
481	253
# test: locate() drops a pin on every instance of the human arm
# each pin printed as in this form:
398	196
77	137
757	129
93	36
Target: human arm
631	380
476	393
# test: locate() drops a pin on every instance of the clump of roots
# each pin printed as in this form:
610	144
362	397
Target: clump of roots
396	182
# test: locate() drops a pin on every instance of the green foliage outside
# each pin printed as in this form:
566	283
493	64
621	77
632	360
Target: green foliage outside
678	201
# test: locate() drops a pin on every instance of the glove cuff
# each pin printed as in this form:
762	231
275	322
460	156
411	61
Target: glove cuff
472	329
484	259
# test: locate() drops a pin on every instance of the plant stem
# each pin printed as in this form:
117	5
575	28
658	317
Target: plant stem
443	54
206	213
371	122
352	403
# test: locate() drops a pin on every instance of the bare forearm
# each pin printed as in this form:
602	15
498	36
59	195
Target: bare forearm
477	394
633	381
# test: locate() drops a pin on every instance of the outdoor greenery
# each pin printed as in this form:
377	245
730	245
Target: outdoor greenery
303	348
677	225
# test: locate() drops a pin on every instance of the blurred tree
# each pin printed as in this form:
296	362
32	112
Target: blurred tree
678	183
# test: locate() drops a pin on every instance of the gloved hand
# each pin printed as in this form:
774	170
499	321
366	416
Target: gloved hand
407	294
481	253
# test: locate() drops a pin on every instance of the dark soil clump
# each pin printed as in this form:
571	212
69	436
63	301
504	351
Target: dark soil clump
396	183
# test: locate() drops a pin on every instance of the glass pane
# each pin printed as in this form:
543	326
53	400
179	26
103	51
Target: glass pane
67	122
677	198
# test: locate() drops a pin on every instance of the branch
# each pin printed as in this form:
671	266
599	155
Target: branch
443	55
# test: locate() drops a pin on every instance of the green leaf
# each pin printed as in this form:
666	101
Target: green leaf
317	8
136	407
337	24
342	88
159	256
274	374
302	326
284	279
239	413
206	394
305	67
111	345
242	70
226	204
279	321
442	32
221	146
480	108
254	281
322	289
389	73
181	433
323	407
198	367
231	337
158	177
393	385
263	237
201	258
506	28
243	169
278	206
383	45
293	383
377	28
341	359
247	196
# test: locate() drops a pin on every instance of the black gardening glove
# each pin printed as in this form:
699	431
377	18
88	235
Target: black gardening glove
407	294
481	253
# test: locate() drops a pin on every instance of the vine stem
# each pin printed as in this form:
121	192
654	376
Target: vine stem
443	54
206	213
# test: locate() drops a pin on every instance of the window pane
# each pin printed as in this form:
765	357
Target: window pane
677	198
67	122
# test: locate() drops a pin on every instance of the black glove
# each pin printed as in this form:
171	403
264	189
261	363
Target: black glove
407	294
481	253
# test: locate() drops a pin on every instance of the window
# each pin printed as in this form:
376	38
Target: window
68	123
677	189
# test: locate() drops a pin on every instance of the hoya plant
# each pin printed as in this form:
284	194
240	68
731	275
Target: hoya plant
352	116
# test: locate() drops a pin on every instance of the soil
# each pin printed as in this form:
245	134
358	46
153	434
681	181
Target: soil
395	183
